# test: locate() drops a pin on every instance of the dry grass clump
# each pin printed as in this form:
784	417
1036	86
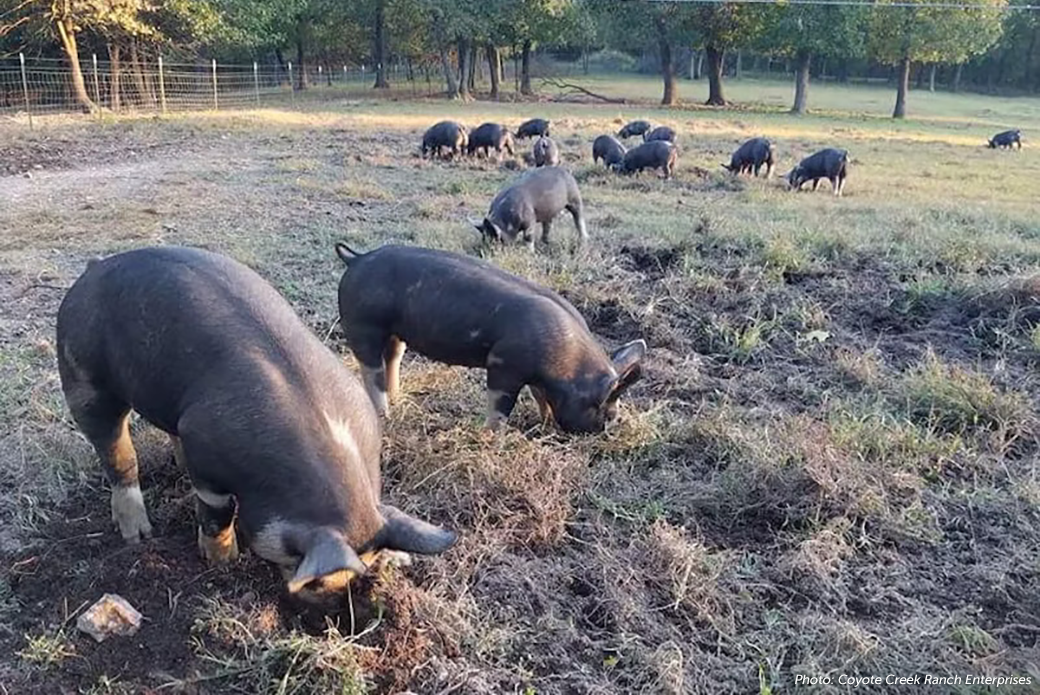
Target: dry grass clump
246	652
952	399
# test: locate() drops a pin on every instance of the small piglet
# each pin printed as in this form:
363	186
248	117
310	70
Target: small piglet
446	135
545	152
462	311
830	164
537	197
608	149
533	128
490	136
657	154
751	156
1007	139
661	132
635	128
272	429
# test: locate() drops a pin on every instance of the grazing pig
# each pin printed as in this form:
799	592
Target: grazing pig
462	311
608	149
661	132
545	152
656	154
1007	139
635	128
830	164
536	197
272	429
751	156
490	136
445	135
532	128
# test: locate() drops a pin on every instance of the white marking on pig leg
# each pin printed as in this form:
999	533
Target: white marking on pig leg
393	355
544	409
269	543
129	513
216	514
374	380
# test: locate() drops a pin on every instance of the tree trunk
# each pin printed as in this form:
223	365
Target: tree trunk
585	58
472	77
931	77
379	54
739	70
957	77
698	65
843	71
67	33
302	79
494	65
283	73
144	85
670	97
114	100
902	88
919	79
525	69
464	69
801	82
716	59
449	74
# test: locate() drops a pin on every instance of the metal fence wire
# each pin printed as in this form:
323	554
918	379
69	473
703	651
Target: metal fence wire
42	86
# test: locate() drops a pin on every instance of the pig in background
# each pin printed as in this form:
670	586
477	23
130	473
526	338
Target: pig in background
657	154
490	136
532	128
607	149
462	311
277	436
831	164
536	197
545	152
634	128
445	136
1006	140
751	156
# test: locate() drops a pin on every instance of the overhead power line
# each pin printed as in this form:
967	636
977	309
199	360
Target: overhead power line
866	3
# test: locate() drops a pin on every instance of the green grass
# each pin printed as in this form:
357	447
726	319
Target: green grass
829	466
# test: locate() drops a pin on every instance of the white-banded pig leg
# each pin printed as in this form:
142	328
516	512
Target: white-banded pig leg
374	380
216	517
546	230
392	356
579	223
544	408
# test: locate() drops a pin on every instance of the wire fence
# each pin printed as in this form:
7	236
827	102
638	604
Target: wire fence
32	88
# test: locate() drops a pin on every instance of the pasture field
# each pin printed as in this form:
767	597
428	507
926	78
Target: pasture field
830	466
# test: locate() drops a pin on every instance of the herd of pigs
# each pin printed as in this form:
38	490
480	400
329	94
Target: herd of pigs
280	439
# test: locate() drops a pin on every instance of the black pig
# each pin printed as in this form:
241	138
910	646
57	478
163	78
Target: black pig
533	128
1007	139
830	164
272	429
635	128
490	136
661	132
545	152
462	311
751	156
447	135
607	148
657	154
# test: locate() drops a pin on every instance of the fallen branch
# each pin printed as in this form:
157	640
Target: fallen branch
560	84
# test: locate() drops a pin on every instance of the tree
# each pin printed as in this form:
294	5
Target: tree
723	26
380	54
903	35
802	32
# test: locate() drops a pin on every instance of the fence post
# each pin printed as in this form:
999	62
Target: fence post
256	82
216	106
319	75
25	89
292	85
344	75
162	87
97	87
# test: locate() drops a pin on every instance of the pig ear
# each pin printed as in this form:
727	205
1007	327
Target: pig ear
627	359
329	554
404	532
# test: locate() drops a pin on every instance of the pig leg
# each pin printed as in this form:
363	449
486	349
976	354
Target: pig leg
216	517
369	347
815	184
836	186
105	421
503	390
392	354
546	228
544	408
578	213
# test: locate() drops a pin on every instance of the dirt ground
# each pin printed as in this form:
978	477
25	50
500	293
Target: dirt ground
829	467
